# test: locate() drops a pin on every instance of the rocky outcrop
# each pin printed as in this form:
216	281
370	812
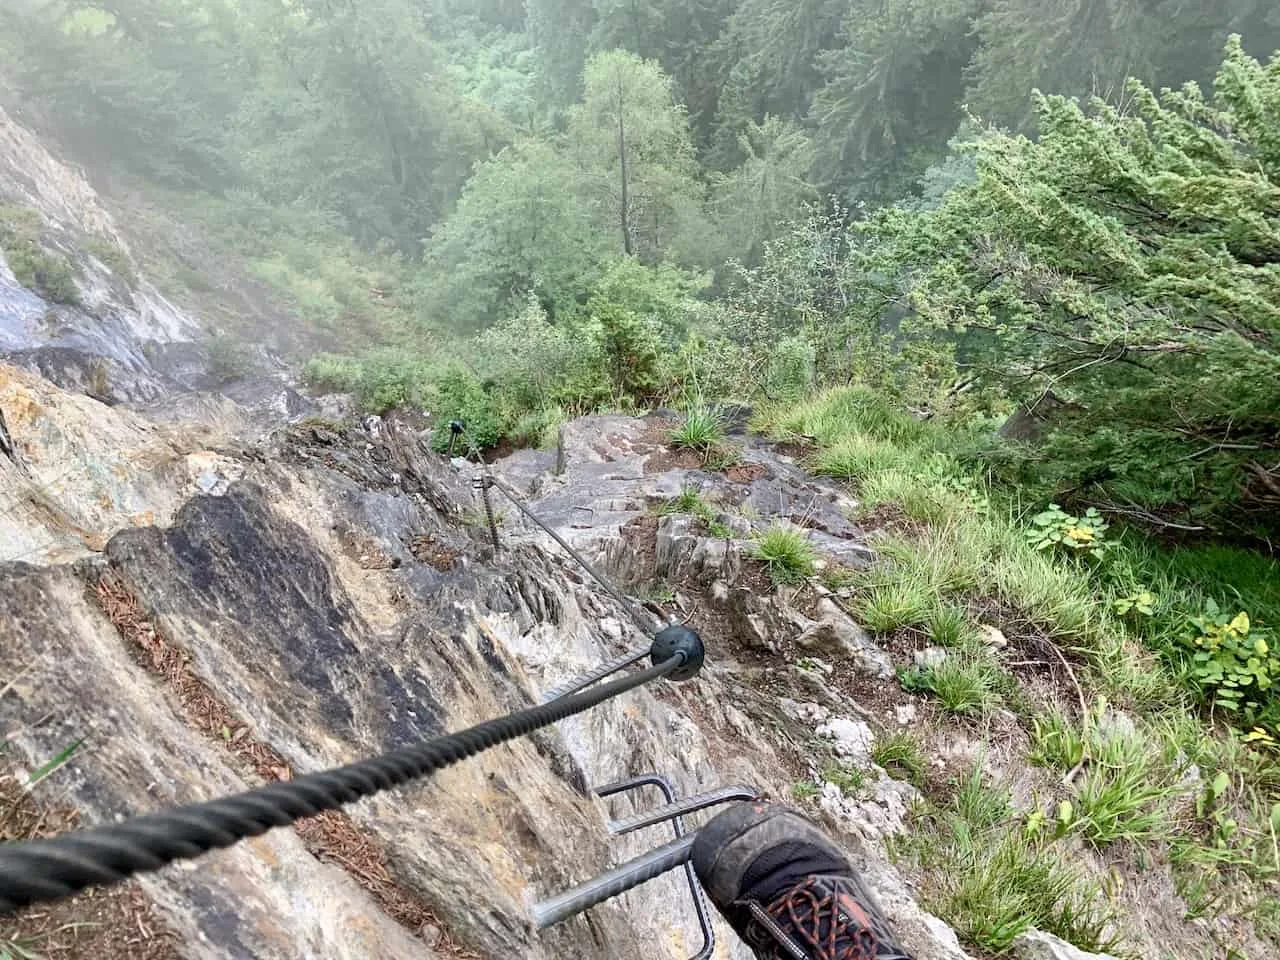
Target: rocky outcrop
328	597
1037	945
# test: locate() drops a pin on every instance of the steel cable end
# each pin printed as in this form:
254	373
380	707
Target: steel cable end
679	641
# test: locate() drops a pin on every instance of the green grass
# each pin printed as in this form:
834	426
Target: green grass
857	457
839	412
54	763
992	874
540	428
948	626
50	274
689	500
804	790
893	604
1119	803
902	757
1056	741
1125	779
969	682
722	456
702	430
719	531
113	257
786	553
992	881
849	779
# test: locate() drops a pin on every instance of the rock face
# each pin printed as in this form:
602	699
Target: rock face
326	599
1036	945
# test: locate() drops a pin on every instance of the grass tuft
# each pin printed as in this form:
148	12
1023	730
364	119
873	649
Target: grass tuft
894	604
902	757
787	555
948	626
857	457
969	682
702	430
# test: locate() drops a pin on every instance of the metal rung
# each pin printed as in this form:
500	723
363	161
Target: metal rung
650	865
680	807
608	885
677	824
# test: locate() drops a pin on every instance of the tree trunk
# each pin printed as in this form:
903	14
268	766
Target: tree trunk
624	219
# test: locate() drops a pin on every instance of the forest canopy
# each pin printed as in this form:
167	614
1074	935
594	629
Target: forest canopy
974	206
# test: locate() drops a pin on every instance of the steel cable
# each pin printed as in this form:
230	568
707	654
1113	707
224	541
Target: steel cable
48	869
644	623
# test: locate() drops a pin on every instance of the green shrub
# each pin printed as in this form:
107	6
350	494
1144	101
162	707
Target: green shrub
1234	663
787	555
539	428
456	394
804	790
229	357
789	370
632	349
534	364
1054	528
331	371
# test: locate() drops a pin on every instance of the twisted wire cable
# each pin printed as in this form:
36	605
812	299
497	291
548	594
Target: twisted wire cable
646	624
48	869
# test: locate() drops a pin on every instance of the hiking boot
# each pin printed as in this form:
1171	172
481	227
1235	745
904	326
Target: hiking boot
788	890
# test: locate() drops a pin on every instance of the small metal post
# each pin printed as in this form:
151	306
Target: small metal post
455	431
483	482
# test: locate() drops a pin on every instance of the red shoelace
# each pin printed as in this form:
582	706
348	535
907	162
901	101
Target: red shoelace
828	921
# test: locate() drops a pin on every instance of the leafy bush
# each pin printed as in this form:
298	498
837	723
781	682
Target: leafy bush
788	371
1234	663
632	350
229	357
1083	535
787	555
330	371
1132	318
456	394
